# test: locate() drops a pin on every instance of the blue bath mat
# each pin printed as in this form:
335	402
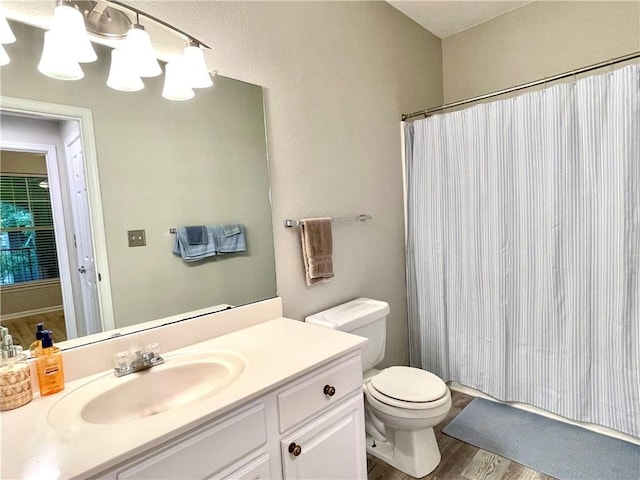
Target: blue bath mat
549	446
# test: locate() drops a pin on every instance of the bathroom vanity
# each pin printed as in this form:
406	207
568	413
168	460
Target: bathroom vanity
288	433
295	410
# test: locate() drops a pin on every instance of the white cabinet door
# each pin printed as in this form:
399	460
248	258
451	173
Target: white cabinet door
331	447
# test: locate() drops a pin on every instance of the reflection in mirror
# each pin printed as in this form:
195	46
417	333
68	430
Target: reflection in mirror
116	162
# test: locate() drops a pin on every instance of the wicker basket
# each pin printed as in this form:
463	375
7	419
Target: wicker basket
15	387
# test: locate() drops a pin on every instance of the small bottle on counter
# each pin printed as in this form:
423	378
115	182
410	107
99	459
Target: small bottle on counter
49	366
15	374
36	346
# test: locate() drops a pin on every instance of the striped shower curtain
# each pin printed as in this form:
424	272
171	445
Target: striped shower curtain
524	248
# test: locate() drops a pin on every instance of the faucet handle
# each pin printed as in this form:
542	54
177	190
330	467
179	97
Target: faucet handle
122	361
153	348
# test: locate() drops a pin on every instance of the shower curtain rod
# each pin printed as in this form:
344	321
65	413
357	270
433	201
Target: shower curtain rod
429	111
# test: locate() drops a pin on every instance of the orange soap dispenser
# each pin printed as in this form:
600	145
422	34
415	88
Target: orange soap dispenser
49	366
36	346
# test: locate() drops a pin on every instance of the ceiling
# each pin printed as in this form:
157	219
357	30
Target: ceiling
444	18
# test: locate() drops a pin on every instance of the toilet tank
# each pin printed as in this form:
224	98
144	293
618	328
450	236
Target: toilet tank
364	317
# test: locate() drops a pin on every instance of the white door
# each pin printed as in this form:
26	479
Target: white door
331	447
86	267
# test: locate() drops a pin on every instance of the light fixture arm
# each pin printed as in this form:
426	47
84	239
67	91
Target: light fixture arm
139	12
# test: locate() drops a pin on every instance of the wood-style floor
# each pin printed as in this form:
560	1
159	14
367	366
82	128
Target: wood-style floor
460	461
23	329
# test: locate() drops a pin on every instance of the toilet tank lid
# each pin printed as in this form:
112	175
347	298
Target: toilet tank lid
351	315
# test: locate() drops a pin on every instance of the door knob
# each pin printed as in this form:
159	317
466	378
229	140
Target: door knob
295	449
82	269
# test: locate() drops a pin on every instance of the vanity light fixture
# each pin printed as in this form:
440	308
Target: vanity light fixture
55	61
136	58
177	85
69	22
6	36
138	42
198	75
133	60
123	74
67	44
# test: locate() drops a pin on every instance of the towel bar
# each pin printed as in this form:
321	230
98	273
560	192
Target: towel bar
361	218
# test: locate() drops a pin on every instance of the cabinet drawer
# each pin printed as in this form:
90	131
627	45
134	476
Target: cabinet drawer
203	452
308	397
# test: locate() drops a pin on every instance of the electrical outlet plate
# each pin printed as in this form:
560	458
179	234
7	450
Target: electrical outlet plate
136	238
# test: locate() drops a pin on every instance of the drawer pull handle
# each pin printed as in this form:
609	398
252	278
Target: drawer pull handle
295	449
329	390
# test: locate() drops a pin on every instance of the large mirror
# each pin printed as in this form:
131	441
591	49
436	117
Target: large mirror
159	164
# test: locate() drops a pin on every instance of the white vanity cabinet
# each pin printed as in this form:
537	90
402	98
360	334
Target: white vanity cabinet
312	427
328	445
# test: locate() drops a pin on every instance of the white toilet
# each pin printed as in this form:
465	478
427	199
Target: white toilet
402	404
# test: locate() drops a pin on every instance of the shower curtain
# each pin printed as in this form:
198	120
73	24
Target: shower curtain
524	248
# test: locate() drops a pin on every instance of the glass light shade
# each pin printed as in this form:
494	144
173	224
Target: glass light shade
4	58
144	57
197	72
56	60
6	34
122	74
176	84
69	22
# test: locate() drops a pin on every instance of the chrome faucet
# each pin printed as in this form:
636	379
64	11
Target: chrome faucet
125	363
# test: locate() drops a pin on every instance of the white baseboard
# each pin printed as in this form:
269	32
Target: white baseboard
27	313
530	408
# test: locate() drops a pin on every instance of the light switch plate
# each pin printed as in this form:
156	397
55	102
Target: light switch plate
136	238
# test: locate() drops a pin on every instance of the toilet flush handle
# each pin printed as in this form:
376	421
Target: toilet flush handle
329	390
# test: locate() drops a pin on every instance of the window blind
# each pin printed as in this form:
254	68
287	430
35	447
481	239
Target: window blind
27	240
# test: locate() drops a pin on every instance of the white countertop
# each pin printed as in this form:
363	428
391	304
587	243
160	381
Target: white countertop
275	351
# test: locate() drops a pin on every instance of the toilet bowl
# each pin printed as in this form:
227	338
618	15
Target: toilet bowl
402	404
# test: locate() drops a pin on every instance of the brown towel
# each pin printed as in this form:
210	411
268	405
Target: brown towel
317	248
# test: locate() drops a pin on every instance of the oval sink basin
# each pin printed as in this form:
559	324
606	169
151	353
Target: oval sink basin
181	380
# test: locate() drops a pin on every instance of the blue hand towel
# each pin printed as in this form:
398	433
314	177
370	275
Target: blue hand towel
231	229
196	235
194	253
229	243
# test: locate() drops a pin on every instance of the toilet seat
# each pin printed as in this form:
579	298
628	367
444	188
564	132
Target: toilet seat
407	387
